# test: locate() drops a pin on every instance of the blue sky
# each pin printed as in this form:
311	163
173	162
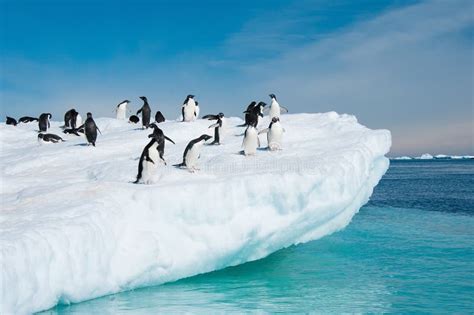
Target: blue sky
402	65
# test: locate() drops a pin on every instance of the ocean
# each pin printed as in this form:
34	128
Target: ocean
410	249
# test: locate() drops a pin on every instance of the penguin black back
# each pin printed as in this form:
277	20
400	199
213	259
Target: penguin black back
159	118
11	121
27	119
43	121
90	129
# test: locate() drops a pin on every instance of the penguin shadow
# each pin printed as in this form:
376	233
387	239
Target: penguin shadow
262	149
242	134
81	145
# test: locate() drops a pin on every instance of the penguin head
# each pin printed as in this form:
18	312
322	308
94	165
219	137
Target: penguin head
40	136
275	119
220	115
190	96
89	115
273	96
143	98
49	115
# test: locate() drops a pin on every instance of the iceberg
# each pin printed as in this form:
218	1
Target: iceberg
402	158
73	227
425	156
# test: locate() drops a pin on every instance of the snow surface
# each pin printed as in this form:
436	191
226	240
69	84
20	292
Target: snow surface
73	227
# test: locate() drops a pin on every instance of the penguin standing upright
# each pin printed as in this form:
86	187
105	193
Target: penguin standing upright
188	110
251	141
192	153
146	112
122	110
90	129
247	113
68	118
274	134
152	152
43	121
217	126
275	108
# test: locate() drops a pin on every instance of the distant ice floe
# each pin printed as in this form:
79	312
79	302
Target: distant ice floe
428	156
73	227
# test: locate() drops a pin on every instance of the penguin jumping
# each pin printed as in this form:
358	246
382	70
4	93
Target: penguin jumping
152	152
90	129
146	112
122	110
43	122
274	134
275	108
217	126
189	110
192	153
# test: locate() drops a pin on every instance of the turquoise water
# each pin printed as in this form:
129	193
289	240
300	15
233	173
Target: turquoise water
411	249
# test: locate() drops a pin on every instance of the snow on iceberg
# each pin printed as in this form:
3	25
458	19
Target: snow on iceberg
425	156
402	158
73	227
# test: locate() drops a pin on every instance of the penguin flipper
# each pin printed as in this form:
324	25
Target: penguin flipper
214	125
169	140
139	111
283	110
263	131
148	159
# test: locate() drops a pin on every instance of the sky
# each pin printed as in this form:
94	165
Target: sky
401	65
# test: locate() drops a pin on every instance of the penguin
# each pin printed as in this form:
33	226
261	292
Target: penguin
217	126
253	113
68	118
146	112
43	121
274	134
71	131
275	108
188	110
11	121
251	141
133	119
247	113
192	153
196	111
152	152
49	137
27	119
122	110
90	129
159	118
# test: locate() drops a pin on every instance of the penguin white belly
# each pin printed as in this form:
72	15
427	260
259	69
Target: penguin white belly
250	143
148	167
274	110
274	137
189	112
193	155
122	112
196	110
78	120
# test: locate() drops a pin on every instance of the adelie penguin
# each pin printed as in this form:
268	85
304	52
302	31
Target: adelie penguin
134	119
27	119
43	122
251	141
72	119
152	153
192	153
122	110
11	121
217	126
189	110
274	134
159	118
90	129
275	108
253	113
146	112
49	137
